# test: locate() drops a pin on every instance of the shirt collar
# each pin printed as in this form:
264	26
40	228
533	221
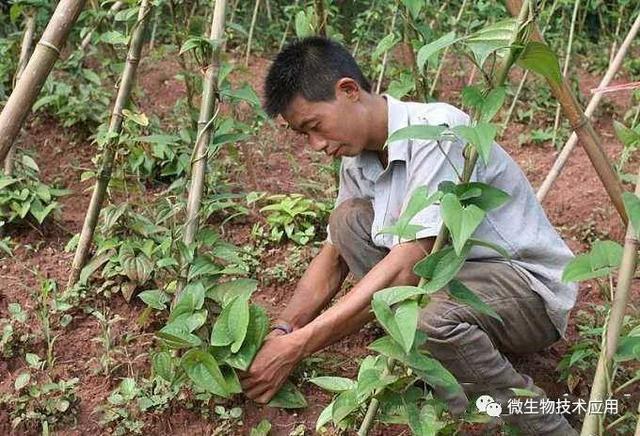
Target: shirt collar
397	118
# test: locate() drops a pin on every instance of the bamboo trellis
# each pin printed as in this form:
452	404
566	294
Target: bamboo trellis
205	130
591	107
35	74
586	133
115	127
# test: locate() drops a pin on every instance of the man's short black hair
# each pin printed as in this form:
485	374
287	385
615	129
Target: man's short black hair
311	67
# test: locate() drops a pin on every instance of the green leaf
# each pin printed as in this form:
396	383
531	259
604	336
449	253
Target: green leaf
481	136
162	364
6	181
461	221
463	294
440	267
539	58
492	104
190	299
261	429
222	293
138	118
288	397
414	7
428	50
490	39
604	258
93	266
498	249
28	162
333	384
204	372
423	132
384	45
489	197
114	37
344	404
628	349
628	137
22	380
324	417
402	324
231	326
632	206
40	213
396	294
303	25
177	334
256	332
419	201
156	298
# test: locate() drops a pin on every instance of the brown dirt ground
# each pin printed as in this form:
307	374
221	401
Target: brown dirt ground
277	162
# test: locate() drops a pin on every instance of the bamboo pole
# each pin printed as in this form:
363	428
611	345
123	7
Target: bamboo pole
154	28
87	38
601	386
25	53
205	131
115	127
470	160
565	68
35	74
591	142
562	158
251	29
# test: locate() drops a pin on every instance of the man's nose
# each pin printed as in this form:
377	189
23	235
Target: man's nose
317	143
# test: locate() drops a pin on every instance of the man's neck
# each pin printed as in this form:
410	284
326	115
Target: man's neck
379	128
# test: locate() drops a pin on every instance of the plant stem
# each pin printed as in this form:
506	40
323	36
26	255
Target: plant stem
87	38
591	107
565	69
115	127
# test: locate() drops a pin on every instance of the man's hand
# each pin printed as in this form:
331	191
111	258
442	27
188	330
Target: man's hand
276	359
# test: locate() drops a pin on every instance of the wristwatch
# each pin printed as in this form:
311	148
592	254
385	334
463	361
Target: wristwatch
285	327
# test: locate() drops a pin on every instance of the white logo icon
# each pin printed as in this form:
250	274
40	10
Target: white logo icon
485	403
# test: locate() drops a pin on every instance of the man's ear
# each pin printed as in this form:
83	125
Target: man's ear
348	88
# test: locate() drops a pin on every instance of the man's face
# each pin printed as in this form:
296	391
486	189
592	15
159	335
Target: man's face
336	127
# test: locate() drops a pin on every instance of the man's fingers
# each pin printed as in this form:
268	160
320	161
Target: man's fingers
256	391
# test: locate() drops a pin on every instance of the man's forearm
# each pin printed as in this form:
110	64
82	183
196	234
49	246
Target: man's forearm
353	310
319	284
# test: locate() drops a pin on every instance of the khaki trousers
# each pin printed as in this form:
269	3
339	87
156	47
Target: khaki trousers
468	343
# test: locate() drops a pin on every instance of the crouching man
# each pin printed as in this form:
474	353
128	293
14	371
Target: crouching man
319	89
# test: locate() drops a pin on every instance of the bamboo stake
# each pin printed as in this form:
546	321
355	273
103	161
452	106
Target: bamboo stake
603	377
470	160
205	130
591	107
35	74
446	51
384	56
565	68
25	53
87	38
582	126
253	25
115	127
